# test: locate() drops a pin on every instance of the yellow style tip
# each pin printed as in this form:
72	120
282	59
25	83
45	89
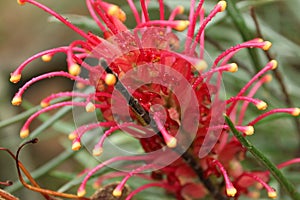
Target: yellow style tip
113	10
81	193
46	58
74	69
180	9
110	79
96	185
15	78
44	104
16	101
296	112
72	136
267	45
233	68
262	105
272	194
76	146
21	2
231	191
80	85
223	5
201	65
172	143
268	78
90	107
24	133
117	12
182	25
97	151
121	15
249	130
117	192
259	40
274	64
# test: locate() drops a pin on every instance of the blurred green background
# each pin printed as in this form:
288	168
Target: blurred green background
25	30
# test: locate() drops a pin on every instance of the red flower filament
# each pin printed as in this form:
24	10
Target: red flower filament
160	118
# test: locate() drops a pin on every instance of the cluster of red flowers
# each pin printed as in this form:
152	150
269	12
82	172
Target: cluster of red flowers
174	105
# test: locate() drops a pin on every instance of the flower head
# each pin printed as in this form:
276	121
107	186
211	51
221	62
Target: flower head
156	87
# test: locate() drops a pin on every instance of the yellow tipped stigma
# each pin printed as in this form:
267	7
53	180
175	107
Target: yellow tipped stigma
97	151
182	25
249	130
172	143
260	40
15	78
110	79
74	70
275	64
16	101
121	15
180	9
223	5
96	185
116	11
113	9
296	112
231	191
76	146
272	194
80	85
233	68
24	133
268	78
254	194
44	104
262	105
90	107
258	186
201	65
72	136
267	45
46	58
21	2
117	192
81	193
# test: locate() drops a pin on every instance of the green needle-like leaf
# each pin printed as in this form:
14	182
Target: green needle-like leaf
19	117
240	23
261	158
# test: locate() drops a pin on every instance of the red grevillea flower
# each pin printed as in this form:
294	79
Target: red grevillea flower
156	87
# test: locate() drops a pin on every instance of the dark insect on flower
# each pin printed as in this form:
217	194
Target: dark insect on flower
158	88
